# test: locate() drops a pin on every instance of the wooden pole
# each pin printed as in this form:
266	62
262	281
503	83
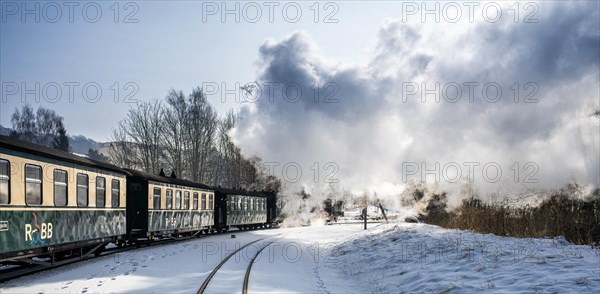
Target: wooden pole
365	217
383	212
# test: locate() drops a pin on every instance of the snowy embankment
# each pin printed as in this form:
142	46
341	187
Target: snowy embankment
386	258
396	258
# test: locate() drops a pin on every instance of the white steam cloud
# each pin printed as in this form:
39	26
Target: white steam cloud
377	134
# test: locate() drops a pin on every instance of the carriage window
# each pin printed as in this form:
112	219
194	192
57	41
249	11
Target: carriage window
115	195
239	203
33	184
203	201
4	181
100	192
82	190
195	201
156	198
60	187
186	200
210	201
177	199
169	198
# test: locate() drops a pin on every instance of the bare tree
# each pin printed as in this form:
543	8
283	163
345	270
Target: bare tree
122	152
190	138
230	153
50	129
173	138
24	125
142	130
45	128
201	134
190	127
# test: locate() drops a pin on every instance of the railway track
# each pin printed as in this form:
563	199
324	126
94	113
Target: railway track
17	271
204	288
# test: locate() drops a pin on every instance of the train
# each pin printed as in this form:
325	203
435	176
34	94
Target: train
55	204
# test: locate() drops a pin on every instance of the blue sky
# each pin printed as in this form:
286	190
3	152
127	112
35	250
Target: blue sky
169	47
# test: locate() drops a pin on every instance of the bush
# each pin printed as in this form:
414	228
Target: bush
578	220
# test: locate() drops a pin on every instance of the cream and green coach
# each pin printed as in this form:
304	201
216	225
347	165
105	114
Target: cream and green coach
54	203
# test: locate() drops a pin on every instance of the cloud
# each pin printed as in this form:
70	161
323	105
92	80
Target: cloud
376	122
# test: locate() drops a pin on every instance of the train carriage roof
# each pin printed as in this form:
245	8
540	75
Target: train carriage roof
168	180
35	149
229	191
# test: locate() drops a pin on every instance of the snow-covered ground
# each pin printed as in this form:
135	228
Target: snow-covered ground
394	258
387	258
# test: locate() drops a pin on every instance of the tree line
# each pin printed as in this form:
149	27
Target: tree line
43	127
185	135
181	134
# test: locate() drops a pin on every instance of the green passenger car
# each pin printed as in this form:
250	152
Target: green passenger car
165	206
53	201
